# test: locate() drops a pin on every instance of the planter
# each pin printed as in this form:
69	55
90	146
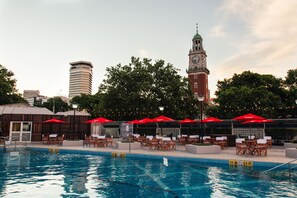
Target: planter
291	152
125	146
73	143
209	149
290	145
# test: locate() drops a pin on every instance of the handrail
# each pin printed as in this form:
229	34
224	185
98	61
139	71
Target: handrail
279	166
9	139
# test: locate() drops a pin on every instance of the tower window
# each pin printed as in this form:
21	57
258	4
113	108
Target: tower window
196	42
195	75
195	85
199	41
195	48
196	94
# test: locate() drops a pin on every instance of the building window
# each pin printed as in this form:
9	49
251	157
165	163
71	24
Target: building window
195	85
196	75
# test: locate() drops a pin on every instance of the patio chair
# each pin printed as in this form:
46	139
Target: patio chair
92	141
221	141
269	141
193	139
206	139
164	145
53	138
182	140
109	141
153	144
241	147
100	142
87	141
60	139
135	136
45	139
261	147
172	145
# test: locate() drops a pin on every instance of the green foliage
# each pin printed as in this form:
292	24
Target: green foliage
56	104
87	102
249	93
8	91
137	90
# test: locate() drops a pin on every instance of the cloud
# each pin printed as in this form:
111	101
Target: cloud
143	53
269	42
217	31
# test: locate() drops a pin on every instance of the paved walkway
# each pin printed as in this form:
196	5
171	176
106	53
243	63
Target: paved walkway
275	154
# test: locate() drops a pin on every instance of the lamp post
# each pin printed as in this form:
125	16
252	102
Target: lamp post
161	108
74	106
201	99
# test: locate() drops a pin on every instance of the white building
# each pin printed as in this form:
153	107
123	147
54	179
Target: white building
80	80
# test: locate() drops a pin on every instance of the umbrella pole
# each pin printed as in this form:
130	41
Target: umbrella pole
179	129
264	130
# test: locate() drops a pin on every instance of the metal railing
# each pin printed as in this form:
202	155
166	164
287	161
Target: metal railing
10	142
290	167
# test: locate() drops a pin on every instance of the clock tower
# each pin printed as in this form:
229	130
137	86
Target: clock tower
197	70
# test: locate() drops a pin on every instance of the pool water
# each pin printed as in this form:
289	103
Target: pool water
42	174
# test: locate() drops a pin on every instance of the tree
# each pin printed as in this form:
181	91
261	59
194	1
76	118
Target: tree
249	93
290	85
56	104
8	91
138	89
87	102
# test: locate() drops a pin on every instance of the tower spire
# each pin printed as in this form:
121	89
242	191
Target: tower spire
196	28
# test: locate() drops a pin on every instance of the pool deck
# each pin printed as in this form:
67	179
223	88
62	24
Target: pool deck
275	154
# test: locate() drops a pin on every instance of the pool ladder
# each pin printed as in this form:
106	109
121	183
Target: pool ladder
8	143
289	168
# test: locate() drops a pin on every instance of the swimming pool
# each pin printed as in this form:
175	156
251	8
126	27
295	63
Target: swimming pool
69	174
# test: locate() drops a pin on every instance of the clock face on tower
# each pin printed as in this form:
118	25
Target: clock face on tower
195	59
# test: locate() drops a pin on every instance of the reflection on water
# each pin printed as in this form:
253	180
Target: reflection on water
72	175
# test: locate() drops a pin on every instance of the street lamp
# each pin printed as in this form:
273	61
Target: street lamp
74	106
161	108
201	99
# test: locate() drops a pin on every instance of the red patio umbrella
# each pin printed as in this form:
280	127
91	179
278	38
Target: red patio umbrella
257	121
211	119
133	122
187	121
100	120
248	116
145	121
162	119
54	120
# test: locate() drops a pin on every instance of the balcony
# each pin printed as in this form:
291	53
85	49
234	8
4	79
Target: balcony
198	69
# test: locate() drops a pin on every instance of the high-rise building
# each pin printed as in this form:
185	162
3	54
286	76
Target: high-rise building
197	70
80	80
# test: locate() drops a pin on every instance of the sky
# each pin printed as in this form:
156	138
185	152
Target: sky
39	38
